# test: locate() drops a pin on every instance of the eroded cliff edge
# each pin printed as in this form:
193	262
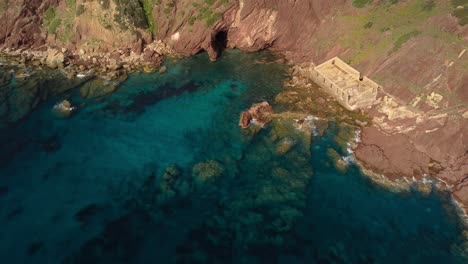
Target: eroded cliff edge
414	48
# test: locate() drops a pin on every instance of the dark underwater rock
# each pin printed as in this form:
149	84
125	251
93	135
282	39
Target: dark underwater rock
4	190
52	144
14	213
34	248
87	212
98	88
120	242
143	99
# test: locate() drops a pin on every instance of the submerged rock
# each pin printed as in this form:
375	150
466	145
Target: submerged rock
162	70
344	136
4	190
284	146
97	88
169	177
34	248
52	144
339	163
86	213
259	114
171	174
207	171
280	172
167	184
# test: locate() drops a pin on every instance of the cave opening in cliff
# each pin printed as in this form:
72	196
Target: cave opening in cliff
219	42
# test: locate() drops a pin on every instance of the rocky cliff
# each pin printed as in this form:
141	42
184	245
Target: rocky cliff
188	27
415	49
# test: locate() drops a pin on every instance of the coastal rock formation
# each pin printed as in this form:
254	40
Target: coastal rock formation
436	147
97	88
54	58
338	161
23	89
259	113
63	109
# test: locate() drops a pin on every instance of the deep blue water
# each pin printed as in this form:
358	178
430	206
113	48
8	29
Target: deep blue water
95	188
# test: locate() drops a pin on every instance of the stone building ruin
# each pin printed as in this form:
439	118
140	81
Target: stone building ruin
345	84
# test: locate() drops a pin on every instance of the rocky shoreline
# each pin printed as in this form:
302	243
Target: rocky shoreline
400	153
107	65
397	183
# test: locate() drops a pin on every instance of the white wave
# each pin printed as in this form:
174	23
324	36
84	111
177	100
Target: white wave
426	181
357	136
311	118
348	159
314	131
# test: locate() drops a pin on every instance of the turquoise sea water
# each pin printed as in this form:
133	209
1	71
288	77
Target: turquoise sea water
96	188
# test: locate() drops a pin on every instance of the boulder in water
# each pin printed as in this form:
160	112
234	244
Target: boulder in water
259	114
63	109
338	161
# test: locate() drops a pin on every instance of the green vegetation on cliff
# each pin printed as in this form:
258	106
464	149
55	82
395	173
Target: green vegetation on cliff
148	8
51	22
49	15
54	25
208	11
131	13
403	39
361	3
68	20
384	29
461	11
3	6
80	9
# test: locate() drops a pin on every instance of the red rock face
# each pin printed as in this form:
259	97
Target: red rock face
245	119
285	26
260	112
392	155
435	148
23	20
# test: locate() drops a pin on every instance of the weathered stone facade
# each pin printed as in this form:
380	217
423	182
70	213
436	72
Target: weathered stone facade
347	85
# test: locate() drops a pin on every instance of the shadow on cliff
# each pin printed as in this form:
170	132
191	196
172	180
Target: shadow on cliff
219	42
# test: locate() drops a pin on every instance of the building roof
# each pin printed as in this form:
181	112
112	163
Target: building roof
345	76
